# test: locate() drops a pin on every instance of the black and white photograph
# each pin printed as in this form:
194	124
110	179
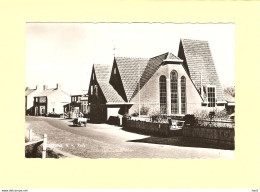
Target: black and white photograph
130	90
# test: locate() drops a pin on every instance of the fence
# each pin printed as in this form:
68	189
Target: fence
216	123
42	141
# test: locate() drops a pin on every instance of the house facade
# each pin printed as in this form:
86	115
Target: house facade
29	99
165	84
50	101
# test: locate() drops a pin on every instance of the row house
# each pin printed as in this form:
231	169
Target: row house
29	98
50	101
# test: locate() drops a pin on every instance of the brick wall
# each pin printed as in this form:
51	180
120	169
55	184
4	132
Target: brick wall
147	127
225	136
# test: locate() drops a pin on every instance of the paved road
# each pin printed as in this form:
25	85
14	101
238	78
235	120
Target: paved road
107	141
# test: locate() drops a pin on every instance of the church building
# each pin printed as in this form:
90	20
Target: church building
166	84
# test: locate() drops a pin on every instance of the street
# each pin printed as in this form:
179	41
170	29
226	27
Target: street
108	141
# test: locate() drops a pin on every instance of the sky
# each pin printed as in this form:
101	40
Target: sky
64	53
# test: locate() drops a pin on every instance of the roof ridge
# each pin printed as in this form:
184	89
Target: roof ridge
168	53
95	64
132	57
194	40
160	55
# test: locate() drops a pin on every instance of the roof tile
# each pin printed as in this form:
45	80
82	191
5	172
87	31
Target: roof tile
199	59
103	74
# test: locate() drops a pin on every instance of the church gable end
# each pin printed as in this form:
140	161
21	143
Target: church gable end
116	82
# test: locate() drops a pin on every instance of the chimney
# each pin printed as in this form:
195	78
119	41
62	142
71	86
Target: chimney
58	86
45	87
36	87
26	88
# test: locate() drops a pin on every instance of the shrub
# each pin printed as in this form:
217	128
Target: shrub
144	110
158	117
135	114
127	116
222	114
218	114
202	114
190	120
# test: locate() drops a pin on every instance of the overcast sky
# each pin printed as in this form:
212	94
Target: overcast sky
65	52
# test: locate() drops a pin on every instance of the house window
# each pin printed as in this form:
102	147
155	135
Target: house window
36	99
91	90
183	95
42	99
163	94
96	90
174	92
211	97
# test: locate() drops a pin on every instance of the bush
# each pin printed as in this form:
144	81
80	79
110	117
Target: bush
218	114
144	110
222	114
127	116
190	120
202	114
158	117
135	114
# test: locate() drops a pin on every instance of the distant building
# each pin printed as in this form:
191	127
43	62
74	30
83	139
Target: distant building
29	94
165	84
84	104
50	101
79	103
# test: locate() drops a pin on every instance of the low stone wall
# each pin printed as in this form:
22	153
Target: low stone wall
222	136
161	129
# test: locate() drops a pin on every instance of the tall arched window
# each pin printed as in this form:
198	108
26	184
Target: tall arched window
174	92
183	95
163	94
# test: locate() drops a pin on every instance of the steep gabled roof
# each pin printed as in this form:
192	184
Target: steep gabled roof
197	58
151	67
102	73
130	70
134	69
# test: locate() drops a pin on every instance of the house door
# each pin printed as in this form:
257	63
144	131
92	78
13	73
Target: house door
36	111
42	110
